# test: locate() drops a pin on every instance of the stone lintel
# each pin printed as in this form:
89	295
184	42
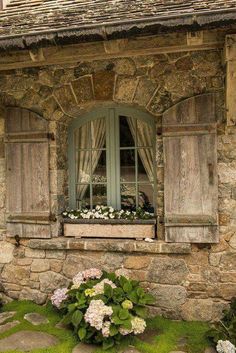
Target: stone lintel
124	246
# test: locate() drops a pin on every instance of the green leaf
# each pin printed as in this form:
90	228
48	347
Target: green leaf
140	292
124	314
127	287
76	318
127	324
82	333
113	330
108	291
67	319
72	307
133	297
108	344
141	311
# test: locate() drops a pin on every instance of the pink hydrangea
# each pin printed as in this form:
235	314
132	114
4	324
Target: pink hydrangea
59	296
96	313
92	273
99	287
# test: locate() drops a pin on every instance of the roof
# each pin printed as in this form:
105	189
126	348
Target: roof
103	18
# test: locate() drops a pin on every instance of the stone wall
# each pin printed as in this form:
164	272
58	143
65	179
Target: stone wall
192	282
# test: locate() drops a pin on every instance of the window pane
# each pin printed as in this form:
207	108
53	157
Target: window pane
83	167
82	137
127	165
144	134
145	197
126	136
98	133
99	166
145	164
99	194
128	196
83	196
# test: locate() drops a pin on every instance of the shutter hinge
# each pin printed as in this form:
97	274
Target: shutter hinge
52	217
51	136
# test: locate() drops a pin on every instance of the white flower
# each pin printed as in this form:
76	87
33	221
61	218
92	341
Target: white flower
97	207
99	288
149	240
225	347
78	279
59	296
124	331
96	313
93	273
111	216
106	329
138	325
111	209
122	272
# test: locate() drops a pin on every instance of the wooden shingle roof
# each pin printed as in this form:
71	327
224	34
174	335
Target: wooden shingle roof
104	17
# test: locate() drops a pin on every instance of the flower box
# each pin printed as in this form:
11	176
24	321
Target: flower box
116	228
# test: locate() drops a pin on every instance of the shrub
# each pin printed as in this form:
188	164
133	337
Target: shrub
225	329
103	307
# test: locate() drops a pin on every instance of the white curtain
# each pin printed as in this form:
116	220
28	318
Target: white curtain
97	130
144	138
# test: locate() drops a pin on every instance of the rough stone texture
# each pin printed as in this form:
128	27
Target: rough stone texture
8	326
6	315
49	281
36	319
188	281
6	254
27	340
168	271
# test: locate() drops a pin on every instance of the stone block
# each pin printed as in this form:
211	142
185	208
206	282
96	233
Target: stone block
125	66
65	98
6	253
232	241
202	310
83	89
125	88
103	82
137	262
144	92
169	296
56	265
168	271
74	264
40	265
228	261
49	281
15	274
35	253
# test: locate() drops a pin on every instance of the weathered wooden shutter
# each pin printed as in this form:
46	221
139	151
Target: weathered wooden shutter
190	163
27	156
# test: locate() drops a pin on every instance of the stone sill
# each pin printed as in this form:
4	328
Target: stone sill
109	221
114	245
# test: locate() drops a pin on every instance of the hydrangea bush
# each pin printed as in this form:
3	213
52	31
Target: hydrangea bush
105	212
103	307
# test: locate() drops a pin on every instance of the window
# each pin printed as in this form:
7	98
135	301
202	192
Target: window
111	160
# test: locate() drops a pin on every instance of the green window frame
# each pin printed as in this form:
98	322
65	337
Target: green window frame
111	116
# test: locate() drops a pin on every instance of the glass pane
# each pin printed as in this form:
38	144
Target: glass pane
83	196
128	196
99	194
127	165
82	167
98	133
145	197
144	134
82	137
99	166
126	136
145	164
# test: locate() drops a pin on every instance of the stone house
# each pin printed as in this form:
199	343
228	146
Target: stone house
129	103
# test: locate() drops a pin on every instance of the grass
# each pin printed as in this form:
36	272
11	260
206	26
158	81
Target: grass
163	336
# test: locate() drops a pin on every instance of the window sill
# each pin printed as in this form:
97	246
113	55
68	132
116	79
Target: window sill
112	245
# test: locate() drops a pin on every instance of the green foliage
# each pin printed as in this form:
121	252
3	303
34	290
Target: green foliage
126	298
225	329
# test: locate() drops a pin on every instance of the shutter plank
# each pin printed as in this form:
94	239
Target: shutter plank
35	177
28	189
191	186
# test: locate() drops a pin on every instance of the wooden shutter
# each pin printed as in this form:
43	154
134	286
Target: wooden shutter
190	163
27	155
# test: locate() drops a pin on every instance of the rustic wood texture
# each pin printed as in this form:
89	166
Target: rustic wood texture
28	201
191	184
135	231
